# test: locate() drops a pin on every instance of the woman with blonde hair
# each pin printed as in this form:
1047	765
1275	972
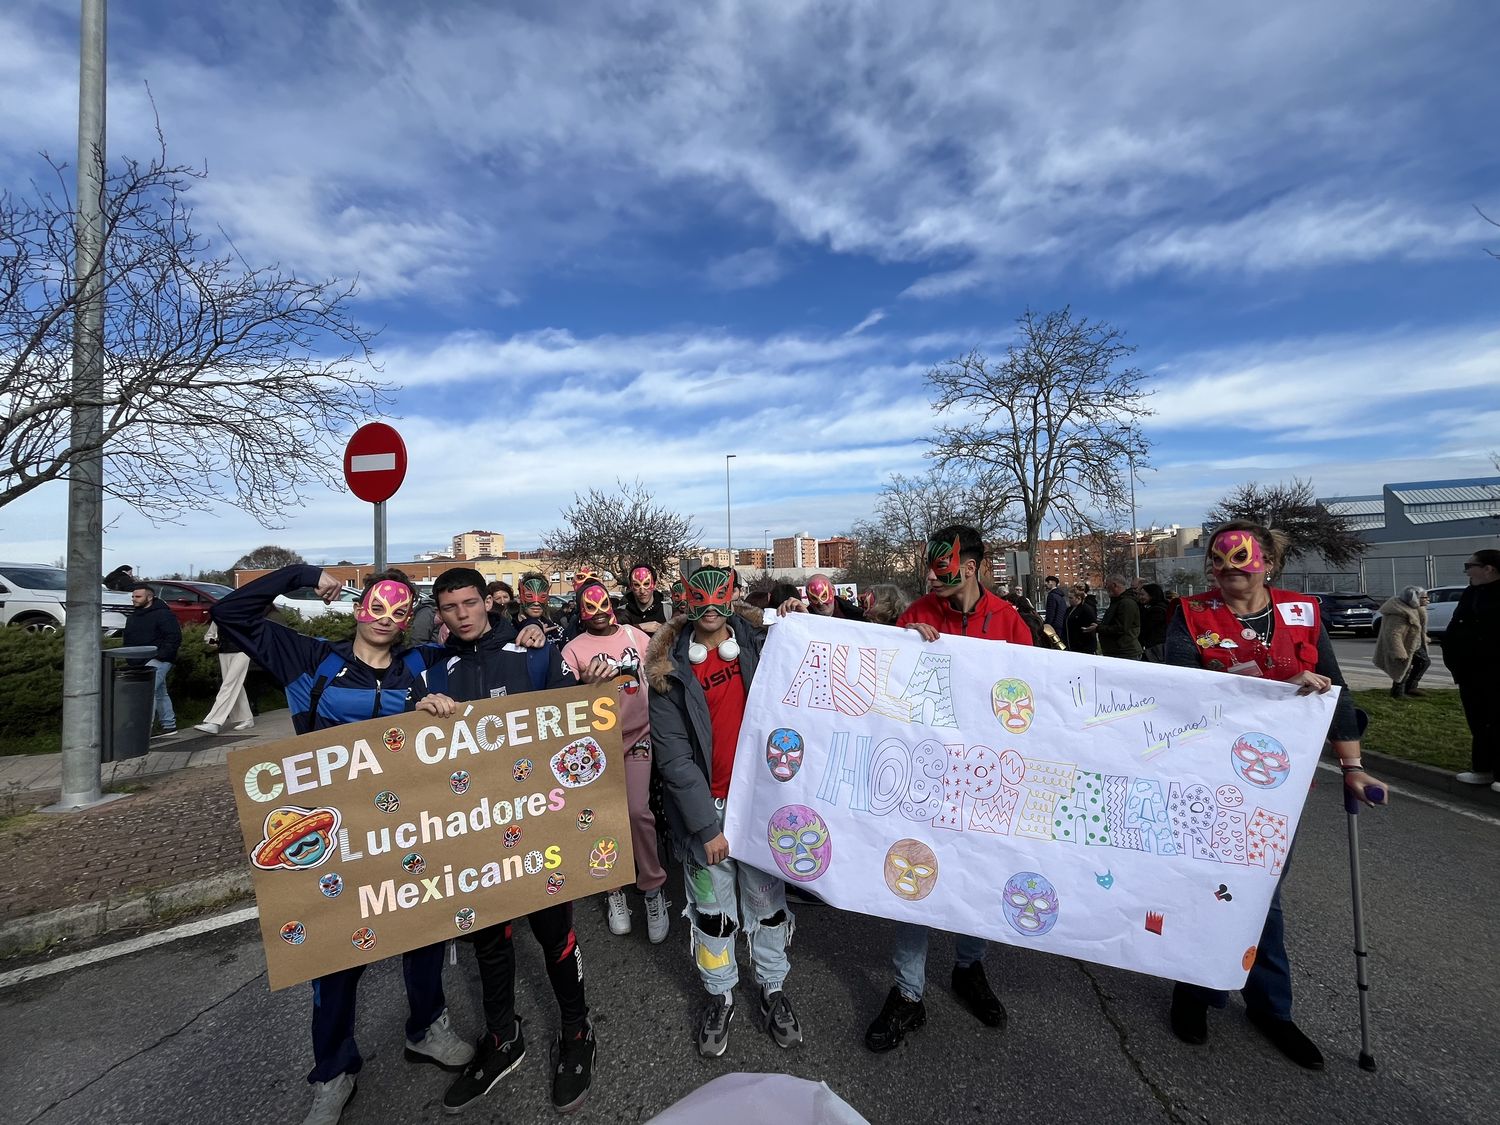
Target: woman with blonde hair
1401	651
883	603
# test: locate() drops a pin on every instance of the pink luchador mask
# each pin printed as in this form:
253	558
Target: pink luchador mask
784	751
584	573
819	592
593	599
642	582
1013	705
1236	550
385	599
800	842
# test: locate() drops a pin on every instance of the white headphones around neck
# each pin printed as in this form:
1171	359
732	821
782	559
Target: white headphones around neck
728	650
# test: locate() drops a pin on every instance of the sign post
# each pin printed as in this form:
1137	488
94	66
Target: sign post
374	467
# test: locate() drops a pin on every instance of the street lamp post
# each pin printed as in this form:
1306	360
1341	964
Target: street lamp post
1135	547
728	512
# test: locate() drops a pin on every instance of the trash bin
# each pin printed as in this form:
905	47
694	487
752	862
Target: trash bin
127	697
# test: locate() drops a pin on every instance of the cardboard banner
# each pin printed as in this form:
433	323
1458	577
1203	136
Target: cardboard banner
373	838
1127	813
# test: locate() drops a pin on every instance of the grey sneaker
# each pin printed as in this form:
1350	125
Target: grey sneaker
619	914
713	1026
329	1100
658	920
1473	777
777	1017
440	1046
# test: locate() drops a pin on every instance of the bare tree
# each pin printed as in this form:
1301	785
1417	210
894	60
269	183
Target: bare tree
1056	420
613	530
223	382
1292	508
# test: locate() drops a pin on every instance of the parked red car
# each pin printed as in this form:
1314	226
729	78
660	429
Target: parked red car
189	601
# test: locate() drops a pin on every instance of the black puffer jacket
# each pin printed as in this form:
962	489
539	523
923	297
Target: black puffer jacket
154	624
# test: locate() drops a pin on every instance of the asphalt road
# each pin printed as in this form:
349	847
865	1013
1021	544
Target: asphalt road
190	1032
1355	654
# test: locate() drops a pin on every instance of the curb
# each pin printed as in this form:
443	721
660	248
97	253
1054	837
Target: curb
1430	777
94	919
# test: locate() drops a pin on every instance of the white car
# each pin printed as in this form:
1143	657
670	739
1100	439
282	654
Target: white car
307	602
32	597
1442	601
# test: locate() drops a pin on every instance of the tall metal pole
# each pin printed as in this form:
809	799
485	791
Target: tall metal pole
1135	546
728	515
81	718
379	537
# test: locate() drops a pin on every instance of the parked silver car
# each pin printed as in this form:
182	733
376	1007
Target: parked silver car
32	596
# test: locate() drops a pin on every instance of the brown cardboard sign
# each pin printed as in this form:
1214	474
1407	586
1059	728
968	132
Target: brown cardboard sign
374	838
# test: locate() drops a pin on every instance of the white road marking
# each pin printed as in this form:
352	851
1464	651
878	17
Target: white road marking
372	462
125	948
1412	795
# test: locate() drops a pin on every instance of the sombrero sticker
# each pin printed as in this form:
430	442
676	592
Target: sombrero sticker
296	839
579	763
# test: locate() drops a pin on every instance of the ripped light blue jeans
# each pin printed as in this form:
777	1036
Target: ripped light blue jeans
728	897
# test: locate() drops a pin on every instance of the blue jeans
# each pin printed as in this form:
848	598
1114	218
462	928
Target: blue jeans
334	1049
909	956
729	896
1268	988
162	710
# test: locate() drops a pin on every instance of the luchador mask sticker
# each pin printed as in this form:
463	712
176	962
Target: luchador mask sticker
944	561
784	750
709	588
1260	760
593	599
911	870
1013	705
603	856
800	842
296	839
579	763
1236	550
395	739
385	599
1030	903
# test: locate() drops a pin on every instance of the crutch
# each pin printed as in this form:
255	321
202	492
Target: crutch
1351	806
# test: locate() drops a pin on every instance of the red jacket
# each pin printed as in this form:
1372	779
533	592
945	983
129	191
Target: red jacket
992	618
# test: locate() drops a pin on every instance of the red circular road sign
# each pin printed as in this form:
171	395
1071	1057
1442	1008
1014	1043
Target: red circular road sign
375	462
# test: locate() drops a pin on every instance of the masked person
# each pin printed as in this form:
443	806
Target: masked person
700	668
1248	627
604	649
479	663
679	598
328	684
822	600
644	607
959	605
535	596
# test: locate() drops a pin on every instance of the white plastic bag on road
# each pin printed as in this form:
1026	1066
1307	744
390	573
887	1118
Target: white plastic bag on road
754	1099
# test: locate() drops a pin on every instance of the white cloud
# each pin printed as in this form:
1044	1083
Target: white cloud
749	269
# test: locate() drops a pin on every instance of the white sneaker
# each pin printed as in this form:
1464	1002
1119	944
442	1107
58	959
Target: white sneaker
1495	785
619	914
329	1099
658	920
1469	777
246	725
440	1045
208	728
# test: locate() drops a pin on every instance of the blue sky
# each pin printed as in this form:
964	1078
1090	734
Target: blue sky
625	239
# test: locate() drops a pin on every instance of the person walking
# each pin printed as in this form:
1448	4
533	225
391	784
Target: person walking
1401	648
1120	631
1471	652
153	624
231	705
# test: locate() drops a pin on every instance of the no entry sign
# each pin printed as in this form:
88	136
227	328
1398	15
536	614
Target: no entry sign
375	462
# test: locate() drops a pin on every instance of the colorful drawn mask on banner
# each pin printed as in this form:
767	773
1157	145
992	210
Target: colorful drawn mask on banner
1260	760
584	573
642	583
385	599
579	763
1236	550
602	857
593	599
679	597
1013	705
784	751
534	591
800	842
709	588
1030	903
911	869
819	593
944	561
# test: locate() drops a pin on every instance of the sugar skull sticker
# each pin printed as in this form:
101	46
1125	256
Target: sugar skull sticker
1236	550
709	588
784	751
294	933
464	919
800	842
385	599
1260	760
458	780
414	863
603	856
522	769
296	839
911	870
386	801
1030	903
555	883
579	763
512	836
363	939
1013	705
395	739
331	884
944	561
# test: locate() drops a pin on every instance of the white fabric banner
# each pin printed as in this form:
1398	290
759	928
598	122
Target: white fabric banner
1127	813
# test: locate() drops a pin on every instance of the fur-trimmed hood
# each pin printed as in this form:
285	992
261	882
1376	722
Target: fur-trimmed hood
660	661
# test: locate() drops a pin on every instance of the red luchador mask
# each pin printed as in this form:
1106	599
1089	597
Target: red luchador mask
1236	550
867	601
944	561
819	592
385	599
679	597
584	573
593	599
642	582
709	588
534	592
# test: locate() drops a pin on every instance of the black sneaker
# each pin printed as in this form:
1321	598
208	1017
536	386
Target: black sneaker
777	1017
573	1069
1189	1017
973	991
491	1062
899	1016
713	1026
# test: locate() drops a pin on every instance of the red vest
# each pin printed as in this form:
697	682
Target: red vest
1224	647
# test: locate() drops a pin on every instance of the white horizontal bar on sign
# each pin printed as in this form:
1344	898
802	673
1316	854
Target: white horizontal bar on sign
372	462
